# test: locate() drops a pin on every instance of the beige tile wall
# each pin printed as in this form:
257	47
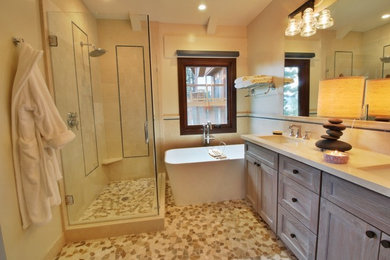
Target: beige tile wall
112	33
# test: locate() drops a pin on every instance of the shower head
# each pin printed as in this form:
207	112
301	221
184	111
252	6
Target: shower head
96	52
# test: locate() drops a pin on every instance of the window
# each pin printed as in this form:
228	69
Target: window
297	94
207	93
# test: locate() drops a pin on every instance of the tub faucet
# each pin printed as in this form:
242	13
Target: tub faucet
206	133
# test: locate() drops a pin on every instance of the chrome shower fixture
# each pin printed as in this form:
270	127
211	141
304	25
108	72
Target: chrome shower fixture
96	52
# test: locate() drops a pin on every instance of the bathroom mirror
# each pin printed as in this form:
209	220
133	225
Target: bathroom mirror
352	47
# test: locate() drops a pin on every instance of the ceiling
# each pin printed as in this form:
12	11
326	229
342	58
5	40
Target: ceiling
359	15
223	12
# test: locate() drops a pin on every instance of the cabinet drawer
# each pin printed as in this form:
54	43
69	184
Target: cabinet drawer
299	239
303	174
299	201
265	156
370	206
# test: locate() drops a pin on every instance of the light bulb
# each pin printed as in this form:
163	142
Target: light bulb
202	7
385	16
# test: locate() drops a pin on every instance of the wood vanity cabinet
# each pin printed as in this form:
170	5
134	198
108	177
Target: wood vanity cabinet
262	182
354	222
317	215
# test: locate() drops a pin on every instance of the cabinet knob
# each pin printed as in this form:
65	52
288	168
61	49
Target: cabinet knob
292	235
385	243
295	171
370	234
294	199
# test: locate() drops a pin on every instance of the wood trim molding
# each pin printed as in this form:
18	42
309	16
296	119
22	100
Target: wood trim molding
231	126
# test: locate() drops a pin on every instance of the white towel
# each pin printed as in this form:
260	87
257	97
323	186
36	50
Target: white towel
247	81
216	153
37	131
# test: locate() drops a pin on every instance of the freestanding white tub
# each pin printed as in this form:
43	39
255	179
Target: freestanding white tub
196	177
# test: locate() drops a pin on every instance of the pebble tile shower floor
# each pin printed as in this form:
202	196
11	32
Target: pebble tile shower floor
123	199
224	230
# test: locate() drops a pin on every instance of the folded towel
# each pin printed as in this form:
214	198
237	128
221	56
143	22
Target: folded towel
246	81
288	80
216	153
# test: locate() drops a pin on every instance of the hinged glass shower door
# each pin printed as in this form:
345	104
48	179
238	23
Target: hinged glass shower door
102	82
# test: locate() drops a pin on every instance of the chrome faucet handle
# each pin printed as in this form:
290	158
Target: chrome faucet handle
210	125
299	130
291	130
307	135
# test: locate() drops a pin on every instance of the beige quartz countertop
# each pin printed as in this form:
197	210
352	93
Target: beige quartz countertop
365	168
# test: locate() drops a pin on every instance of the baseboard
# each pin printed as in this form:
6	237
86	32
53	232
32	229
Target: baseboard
56	248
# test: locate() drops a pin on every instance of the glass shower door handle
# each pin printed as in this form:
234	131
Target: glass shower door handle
146	132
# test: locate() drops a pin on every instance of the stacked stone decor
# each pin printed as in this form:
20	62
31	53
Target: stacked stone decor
330	140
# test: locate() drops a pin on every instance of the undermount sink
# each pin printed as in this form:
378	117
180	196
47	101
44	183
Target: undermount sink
280	139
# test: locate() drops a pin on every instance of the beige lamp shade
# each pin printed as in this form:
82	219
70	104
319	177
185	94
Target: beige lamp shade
378	97
341	97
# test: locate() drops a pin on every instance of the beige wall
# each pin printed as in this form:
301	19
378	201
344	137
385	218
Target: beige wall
266	52
266	47
166	39
373	42
18	18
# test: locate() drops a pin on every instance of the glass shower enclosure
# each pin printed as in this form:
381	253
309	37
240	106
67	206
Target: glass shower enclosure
102	83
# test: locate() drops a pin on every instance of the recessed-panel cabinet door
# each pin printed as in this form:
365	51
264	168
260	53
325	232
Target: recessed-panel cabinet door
251	180
267	191
341	235
384	249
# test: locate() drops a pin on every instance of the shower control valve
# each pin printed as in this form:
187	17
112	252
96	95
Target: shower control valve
72	120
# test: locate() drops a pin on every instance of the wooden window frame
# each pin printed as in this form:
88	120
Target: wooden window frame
304	84
230	64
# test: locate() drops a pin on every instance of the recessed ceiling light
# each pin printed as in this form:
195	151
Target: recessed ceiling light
385	16
202	7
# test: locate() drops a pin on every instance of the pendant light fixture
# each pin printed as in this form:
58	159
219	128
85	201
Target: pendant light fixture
324	20
309	22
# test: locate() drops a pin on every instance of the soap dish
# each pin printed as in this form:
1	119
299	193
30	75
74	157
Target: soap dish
277	132
336	157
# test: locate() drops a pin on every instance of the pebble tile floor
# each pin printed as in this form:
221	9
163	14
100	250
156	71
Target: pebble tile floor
224	230
123	199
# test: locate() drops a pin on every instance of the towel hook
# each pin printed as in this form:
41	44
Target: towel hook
17	40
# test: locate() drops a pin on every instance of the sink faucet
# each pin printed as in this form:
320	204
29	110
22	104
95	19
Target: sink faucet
206	133
299	131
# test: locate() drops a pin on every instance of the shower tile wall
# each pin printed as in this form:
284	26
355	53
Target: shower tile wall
83	188
112	33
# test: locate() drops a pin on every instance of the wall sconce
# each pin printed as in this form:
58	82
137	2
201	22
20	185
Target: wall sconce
343	98
308	24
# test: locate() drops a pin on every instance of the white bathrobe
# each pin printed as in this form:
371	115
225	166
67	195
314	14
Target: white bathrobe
37	131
